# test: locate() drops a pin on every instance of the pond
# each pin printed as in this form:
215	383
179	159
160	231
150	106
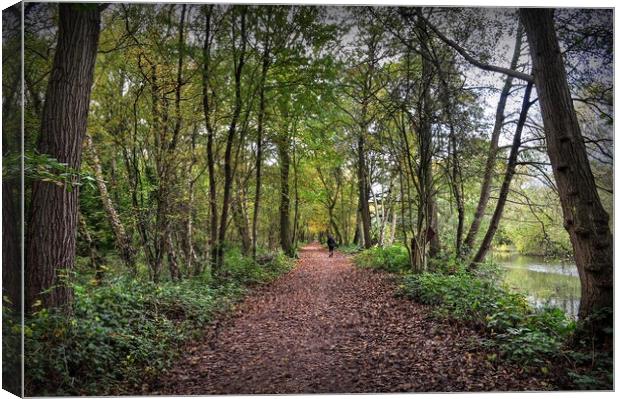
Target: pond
546	282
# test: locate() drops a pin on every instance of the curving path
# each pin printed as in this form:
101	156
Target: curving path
329	327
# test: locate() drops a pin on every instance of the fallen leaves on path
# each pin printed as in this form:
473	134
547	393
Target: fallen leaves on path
329	327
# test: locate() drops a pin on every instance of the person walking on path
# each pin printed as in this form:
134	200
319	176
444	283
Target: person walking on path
331	244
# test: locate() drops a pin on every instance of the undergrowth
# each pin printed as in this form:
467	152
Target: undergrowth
538	339
393	259
349	249
124	332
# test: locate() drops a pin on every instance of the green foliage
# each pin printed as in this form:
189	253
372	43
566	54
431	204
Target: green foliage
394	259
122	331
591	371
520	333
42	167
535	230
517	332
446	265
244	270
349	249
11	347
126	332
528	347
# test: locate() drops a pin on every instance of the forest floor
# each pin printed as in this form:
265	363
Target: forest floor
328	326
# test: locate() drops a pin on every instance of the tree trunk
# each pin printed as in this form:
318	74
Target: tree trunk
296	203
458	192
357	239
503	194
485	190
259	140
93	254
454	173
362	182
11	182
585	219
427	211
434	248
228	170
173	264
53	217
191	258
123	241
393	229
240	219
206	104
285	223
11	242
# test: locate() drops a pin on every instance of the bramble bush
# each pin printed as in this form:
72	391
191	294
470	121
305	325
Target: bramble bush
125	332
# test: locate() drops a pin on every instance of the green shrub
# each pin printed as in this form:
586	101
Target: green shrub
394	259
528	347
119	332
244	270
125	332
11	347
520	332
350	249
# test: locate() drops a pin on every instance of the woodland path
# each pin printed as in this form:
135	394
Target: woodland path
329	327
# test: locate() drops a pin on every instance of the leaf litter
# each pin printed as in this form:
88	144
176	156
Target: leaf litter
328	327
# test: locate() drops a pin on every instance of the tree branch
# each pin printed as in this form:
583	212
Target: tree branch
487	67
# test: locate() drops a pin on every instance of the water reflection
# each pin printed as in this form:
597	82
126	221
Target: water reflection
546	283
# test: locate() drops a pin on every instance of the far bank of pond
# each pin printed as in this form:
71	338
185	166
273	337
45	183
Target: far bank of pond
547	282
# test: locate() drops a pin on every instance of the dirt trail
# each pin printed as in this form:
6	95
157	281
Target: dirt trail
329	327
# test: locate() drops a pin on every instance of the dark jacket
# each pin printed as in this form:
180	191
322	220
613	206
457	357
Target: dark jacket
331	242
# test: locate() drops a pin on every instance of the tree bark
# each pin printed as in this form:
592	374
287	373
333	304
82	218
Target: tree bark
485	190
53	217
585	219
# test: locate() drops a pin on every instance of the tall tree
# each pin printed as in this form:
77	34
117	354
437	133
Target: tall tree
207	102
52	223
487	178
239	55
485	245
585	219
265	64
